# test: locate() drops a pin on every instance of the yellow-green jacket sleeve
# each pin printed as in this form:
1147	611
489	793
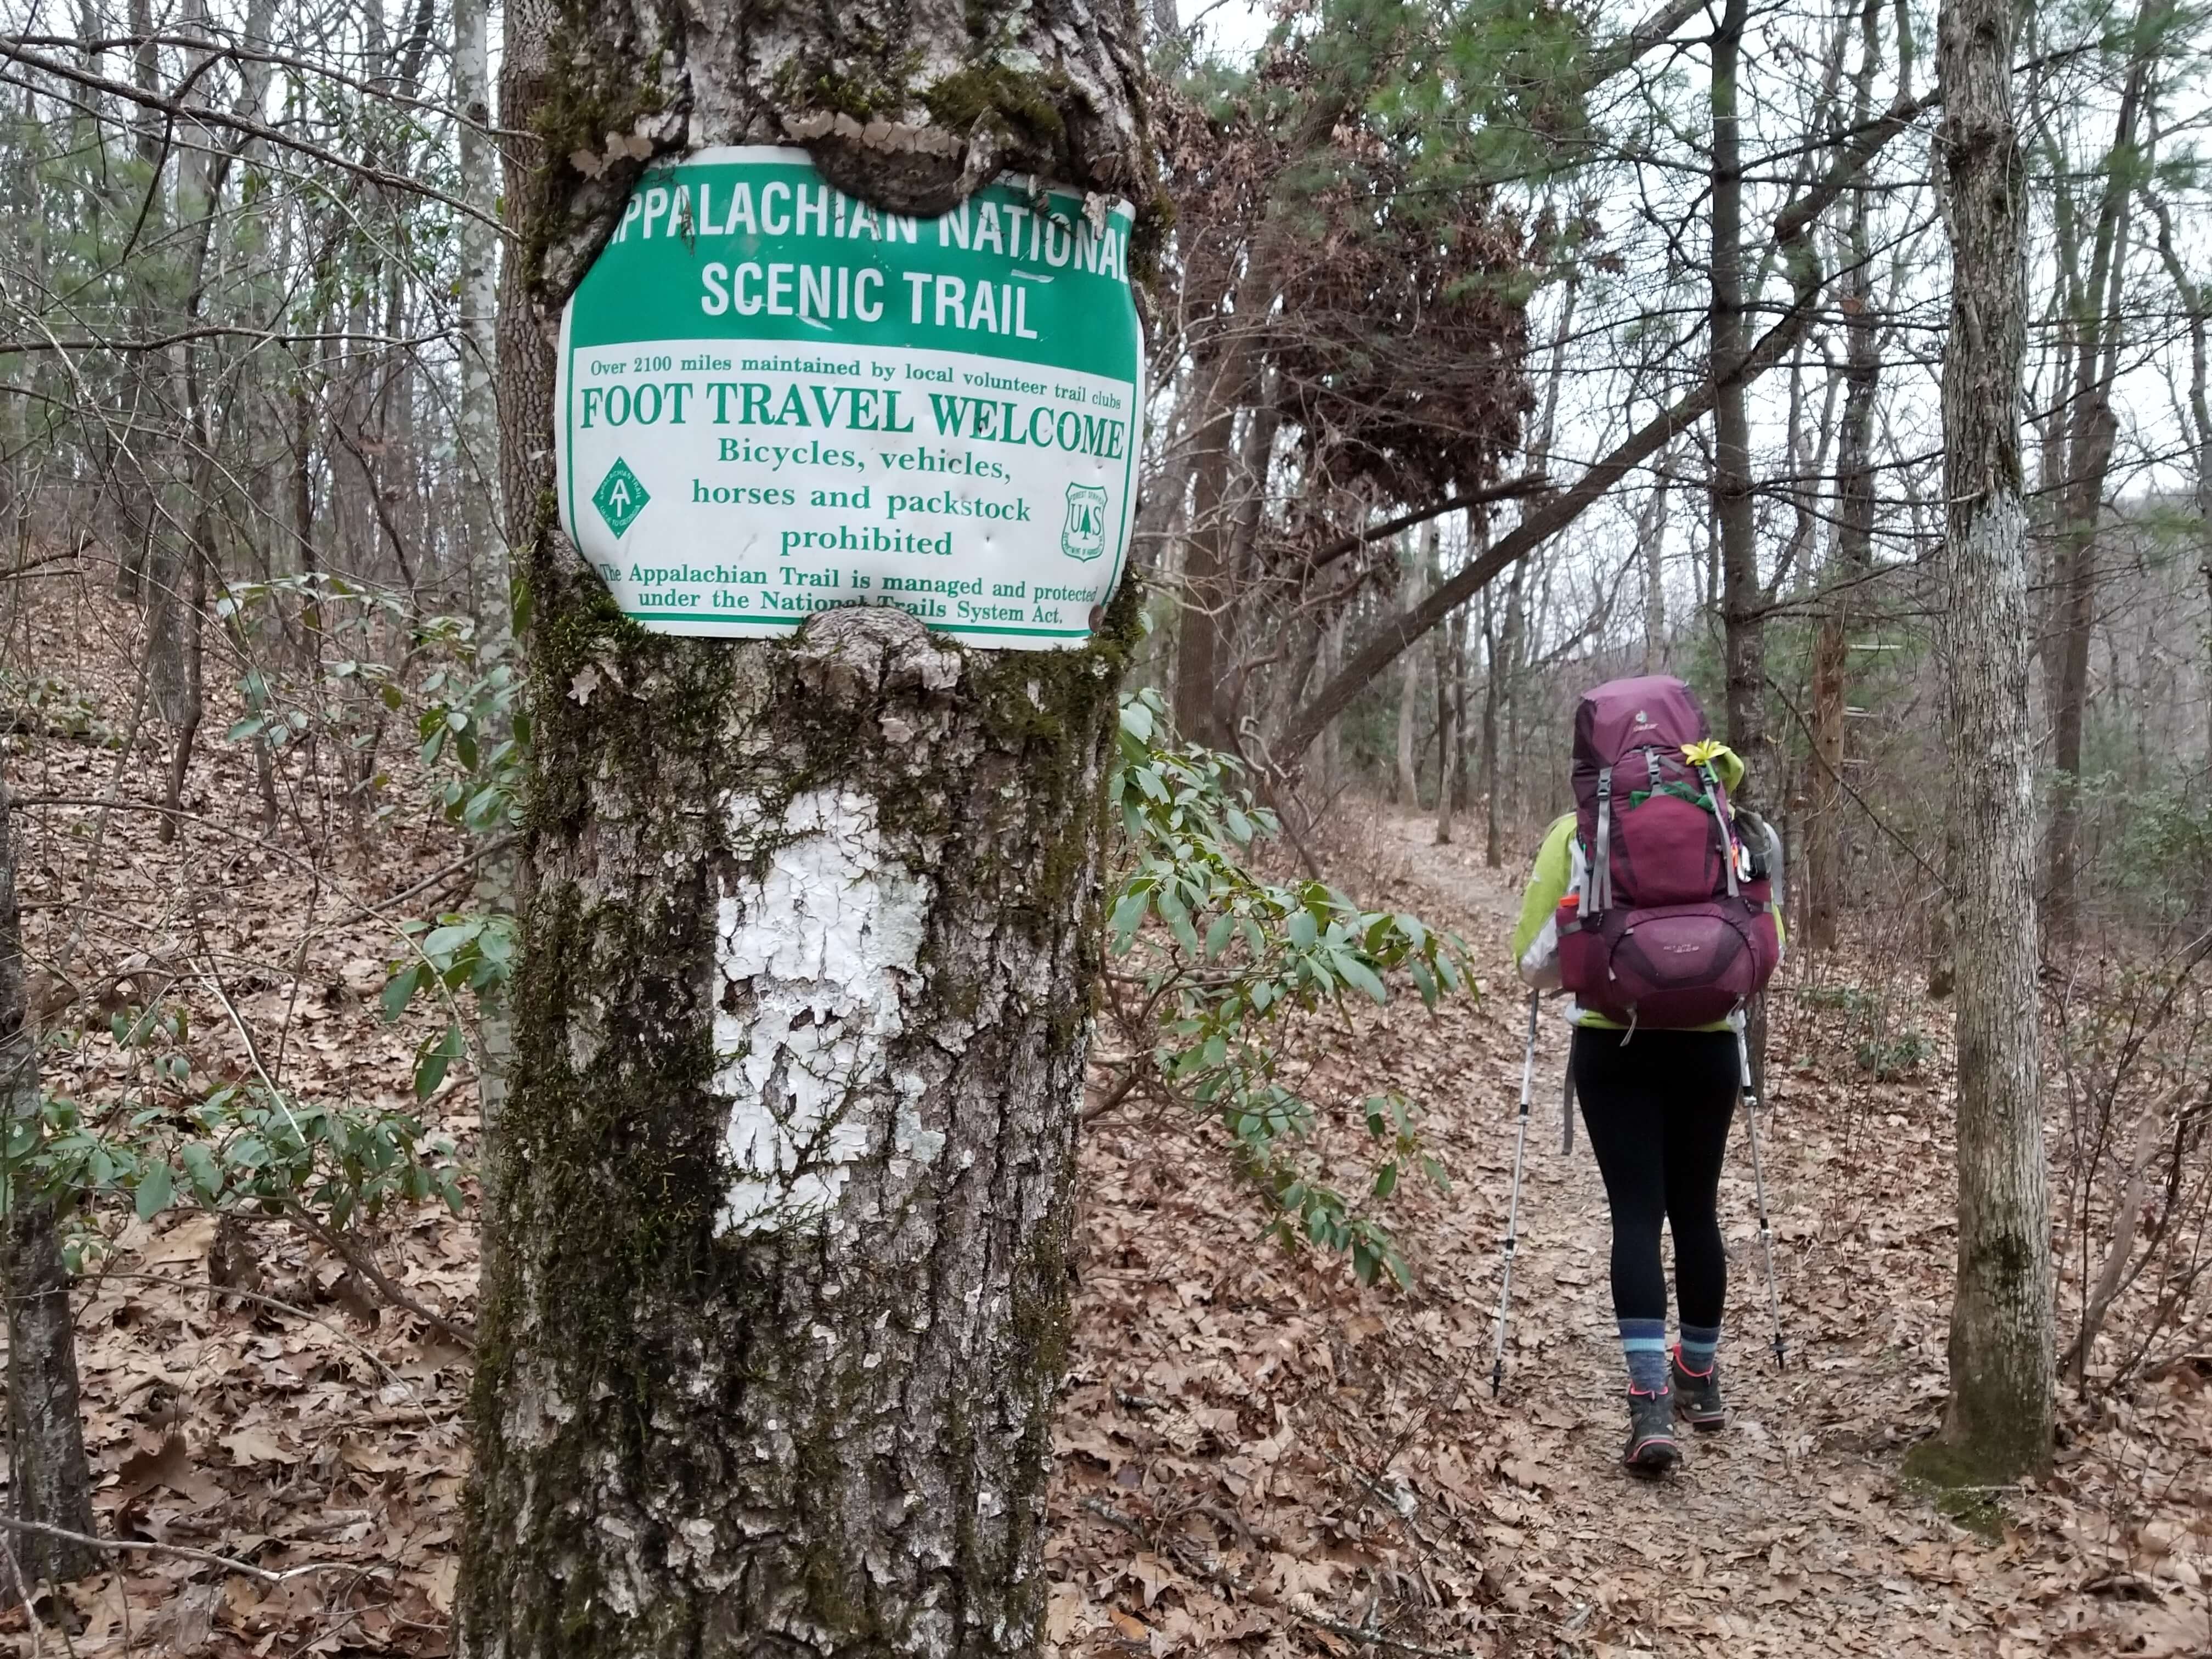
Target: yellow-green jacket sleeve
1548	886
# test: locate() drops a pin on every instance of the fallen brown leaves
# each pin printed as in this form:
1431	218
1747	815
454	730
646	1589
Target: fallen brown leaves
1255	1455
288	1418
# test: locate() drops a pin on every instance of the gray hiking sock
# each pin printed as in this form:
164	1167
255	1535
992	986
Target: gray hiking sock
1644	1343
1700	1342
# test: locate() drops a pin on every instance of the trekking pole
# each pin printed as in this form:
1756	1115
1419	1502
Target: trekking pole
1758	1186
1513	1206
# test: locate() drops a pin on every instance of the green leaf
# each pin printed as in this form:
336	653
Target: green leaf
1303	932
443	941
1172	911
155	1191
1129	916
399	990
1217	937
430	1067
201	1171
1424	981
1386	1180
1364	1261
1359	973
1398	1270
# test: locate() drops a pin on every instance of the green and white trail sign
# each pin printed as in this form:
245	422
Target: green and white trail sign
775	399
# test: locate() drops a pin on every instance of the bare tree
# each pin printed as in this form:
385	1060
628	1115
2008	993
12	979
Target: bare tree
2090	426
1999	1420
1851	555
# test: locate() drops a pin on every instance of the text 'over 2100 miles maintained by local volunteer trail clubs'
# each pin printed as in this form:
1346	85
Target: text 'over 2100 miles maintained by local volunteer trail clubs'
775	399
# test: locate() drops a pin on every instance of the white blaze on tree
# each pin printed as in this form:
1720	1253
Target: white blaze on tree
816	960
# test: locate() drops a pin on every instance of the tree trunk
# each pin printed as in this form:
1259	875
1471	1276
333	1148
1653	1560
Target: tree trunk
1198	639
1451	642
484	547
1407	791
1461	734
138	480
1329	750
1651	541
2196	299
1742	603
201	553
479	434
2091	429
1999	1420
48	1479
780	1300
1234	644
1852	559
1494	854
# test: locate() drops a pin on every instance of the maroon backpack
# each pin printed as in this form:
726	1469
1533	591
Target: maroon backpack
1670	927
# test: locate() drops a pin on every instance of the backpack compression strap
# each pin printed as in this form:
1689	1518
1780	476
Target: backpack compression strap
1721	821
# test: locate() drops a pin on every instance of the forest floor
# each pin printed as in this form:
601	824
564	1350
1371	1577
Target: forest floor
1255	1449
1257	1455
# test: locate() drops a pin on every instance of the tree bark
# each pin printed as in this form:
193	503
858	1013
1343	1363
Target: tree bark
1205	549
48	1480
483	552
2196	299
1446	736
1743	608
138	480
2091	429
1999	1420
1500	686
1331	766
1493	786
1407	785
1652	543
479	306
1852	557
784	1193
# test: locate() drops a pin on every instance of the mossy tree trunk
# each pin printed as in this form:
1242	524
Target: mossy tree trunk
783	1194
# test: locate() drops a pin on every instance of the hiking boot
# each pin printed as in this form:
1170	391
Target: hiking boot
1698	1399
1651	1449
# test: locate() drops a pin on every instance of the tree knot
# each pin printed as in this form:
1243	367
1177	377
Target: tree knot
857	653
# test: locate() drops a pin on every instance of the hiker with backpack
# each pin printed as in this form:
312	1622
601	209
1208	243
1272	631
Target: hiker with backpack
1656	906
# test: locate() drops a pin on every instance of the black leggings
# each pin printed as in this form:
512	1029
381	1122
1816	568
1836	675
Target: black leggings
1658	1108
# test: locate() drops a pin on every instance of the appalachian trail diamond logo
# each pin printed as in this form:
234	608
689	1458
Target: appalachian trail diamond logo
620	497
1083	536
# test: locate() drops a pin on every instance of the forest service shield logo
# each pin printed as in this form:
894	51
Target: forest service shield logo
1084	535
620	497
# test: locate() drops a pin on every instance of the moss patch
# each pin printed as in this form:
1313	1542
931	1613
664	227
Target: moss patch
1025	106
1957	1484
